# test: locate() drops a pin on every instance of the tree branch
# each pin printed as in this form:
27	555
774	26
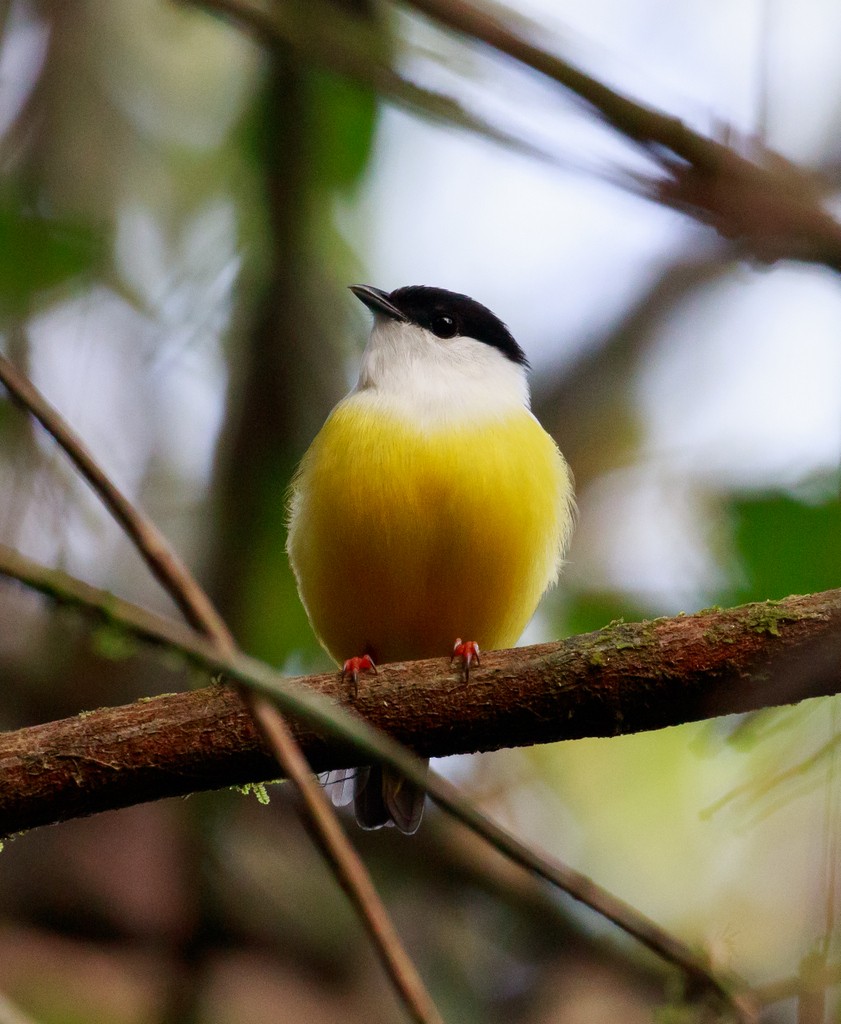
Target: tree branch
771	207
164	564
624	678
628	677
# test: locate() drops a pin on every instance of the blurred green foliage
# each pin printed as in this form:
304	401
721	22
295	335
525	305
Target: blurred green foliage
112	642
341	132
309	153
40	253
588	611
274	623
784	546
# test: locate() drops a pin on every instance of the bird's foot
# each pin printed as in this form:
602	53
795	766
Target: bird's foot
468	652
353	666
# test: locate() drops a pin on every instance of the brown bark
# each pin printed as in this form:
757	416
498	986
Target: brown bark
625	678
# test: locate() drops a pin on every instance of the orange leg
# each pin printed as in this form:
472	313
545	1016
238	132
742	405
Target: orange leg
468	652
353	666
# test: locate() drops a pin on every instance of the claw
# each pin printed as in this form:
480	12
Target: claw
468	652
353	666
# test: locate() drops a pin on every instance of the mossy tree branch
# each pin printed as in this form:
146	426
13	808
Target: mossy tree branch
626	678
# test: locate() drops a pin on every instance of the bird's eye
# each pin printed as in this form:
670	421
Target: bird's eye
443	326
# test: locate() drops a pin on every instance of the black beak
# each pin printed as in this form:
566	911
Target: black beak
377	301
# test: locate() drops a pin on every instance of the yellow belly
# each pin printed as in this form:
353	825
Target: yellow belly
403	539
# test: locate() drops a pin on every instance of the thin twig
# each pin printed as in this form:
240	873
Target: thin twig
764	38
318	815
199	611
315	708
349	870
754	789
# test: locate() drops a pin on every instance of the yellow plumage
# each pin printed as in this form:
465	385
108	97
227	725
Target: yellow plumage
405	534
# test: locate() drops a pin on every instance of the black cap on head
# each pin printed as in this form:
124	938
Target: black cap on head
446	314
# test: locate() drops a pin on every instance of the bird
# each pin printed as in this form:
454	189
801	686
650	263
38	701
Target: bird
431	506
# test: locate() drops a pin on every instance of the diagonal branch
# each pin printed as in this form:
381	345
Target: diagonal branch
163	562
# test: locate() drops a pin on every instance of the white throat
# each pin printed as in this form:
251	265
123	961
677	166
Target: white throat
431	379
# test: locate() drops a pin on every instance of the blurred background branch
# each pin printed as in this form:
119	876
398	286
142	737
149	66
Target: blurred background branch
772	208
347	40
